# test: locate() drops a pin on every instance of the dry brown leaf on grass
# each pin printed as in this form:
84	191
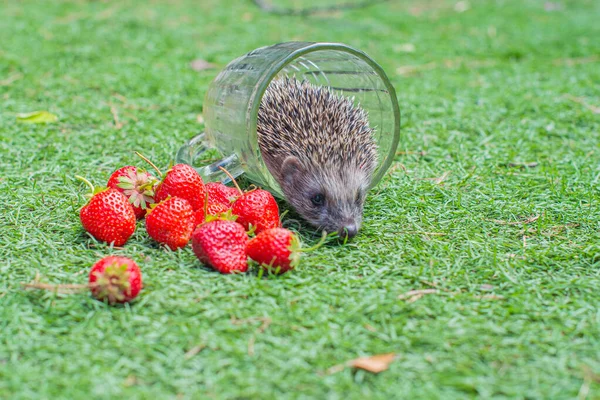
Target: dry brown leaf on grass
374	364
201	65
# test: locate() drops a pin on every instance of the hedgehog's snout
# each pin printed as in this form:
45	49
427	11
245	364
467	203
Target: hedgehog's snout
348	230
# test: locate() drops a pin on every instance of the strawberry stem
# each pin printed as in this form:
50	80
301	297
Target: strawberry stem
81	178
316	246
232	179
140	155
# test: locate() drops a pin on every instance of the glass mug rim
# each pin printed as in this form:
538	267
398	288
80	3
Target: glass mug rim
310	47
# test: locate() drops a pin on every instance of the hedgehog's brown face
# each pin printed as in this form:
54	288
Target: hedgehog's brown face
329	199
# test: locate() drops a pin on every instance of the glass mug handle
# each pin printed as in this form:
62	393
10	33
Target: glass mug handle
195	150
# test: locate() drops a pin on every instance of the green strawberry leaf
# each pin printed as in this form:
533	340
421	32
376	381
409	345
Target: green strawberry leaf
125	183
37	117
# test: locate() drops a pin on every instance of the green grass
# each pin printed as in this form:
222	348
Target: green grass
498	84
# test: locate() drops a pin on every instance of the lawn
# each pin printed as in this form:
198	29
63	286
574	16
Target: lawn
493	201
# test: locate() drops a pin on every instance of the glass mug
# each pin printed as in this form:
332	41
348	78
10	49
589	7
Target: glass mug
233	99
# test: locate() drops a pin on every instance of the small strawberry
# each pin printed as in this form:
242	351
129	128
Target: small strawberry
275	249
115	279
222	245
108	216
171	222
221	194
182	181
257	208
278	250
137	185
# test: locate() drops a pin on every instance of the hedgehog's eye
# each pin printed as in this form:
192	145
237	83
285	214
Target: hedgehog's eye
318	199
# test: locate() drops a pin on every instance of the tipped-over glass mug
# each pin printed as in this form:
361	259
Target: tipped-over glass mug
233	99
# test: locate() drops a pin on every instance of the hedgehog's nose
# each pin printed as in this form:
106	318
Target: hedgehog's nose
348	231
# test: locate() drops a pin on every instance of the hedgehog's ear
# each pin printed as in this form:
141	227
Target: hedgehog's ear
291	169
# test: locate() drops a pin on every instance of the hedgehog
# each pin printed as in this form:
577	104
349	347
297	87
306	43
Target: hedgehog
320	148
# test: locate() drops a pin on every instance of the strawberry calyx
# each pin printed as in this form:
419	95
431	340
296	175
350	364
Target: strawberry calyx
225	216
138	186
113	284
296	248
152	206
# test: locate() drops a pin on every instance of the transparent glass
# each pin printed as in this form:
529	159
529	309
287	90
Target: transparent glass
233	99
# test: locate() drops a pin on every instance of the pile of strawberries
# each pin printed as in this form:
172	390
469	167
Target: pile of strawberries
225	225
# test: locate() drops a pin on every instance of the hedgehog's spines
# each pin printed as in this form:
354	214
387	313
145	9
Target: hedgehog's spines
315	125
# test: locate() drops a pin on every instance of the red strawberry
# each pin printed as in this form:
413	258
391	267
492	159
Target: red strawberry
108	216
137	185
257	208
171	222
199	217
221	194
276	249
182	181
216	209
115	279
222	245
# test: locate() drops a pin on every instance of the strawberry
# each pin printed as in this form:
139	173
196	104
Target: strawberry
216	209
221	194
199	217
137	185
257	208
213	211
171	222
108	216
182	181
276	249
115	279
222	245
